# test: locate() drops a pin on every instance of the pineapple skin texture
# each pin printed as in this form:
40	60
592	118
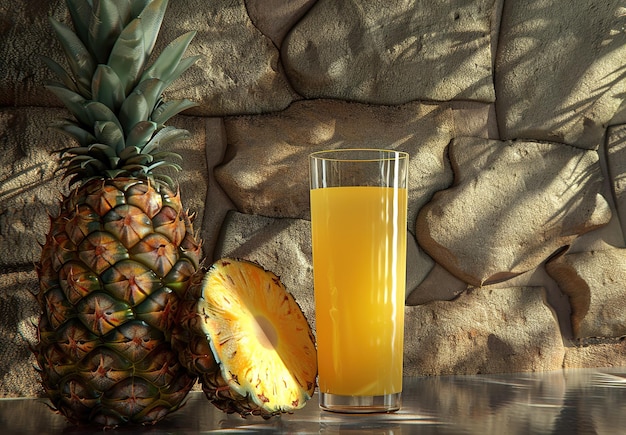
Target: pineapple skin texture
115	265
195	354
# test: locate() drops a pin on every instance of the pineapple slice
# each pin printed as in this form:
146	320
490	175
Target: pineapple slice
259	338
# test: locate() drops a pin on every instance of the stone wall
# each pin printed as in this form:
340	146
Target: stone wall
512	112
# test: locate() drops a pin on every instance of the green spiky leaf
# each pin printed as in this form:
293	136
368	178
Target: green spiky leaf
73	151
59	71
164	163
113	173
151	89
167	62
83	162
125	10
108	156
162	178
105	26
140	135
109	133
135	109
73	101
96	111
164	136
136	6
167	156
80	11
127	57
168	109
80	61
151	19
183	66
78	155
139	160
117	102
107	88
128	152
75	131
82	155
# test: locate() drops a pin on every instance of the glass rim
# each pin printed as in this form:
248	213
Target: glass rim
333	155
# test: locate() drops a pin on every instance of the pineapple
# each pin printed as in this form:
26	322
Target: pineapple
248	340
129	319
122	251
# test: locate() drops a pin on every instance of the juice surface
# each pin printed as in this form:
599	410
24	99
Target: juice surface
359	261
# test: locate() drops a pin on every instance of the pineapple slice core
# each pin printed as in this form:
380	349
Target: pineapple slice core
266	333
259	335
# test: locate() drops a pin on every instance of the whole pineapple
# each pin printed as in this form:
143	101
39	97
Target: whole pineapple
122	251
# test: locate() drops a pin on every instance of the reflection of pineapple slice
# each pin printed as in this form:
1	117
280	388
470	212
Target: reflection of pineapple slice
261	341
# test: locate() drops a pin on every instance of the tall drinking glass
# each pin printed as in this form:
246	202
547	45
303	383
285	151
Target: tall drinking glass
358	220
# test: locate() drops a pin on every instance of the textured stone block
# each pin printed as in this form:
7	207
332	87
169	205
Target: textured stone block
26	35
511	206
30	189
238	71
560	70
275	18
483	331
616	163
437	285
393	52
596	355
594	282
19	313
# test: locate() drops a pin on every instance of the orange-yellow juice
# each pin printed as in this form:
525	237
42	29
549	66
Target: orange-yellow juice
359	262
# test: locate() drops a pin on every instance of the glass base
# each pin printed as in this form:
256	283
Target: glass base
360	404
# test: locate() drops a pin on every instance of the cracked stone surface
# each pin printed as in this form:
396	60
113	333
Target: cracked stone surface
284	15
238	71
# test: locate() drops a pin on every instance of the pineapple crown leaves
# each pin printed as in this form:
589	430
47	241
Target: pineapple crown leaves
114	96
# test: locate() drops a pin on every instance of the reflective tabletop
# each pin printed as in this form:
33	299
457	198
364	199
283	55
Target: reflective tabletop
582	401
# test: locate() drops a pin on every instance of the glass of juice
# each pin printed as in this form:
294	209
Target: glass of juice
359	226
